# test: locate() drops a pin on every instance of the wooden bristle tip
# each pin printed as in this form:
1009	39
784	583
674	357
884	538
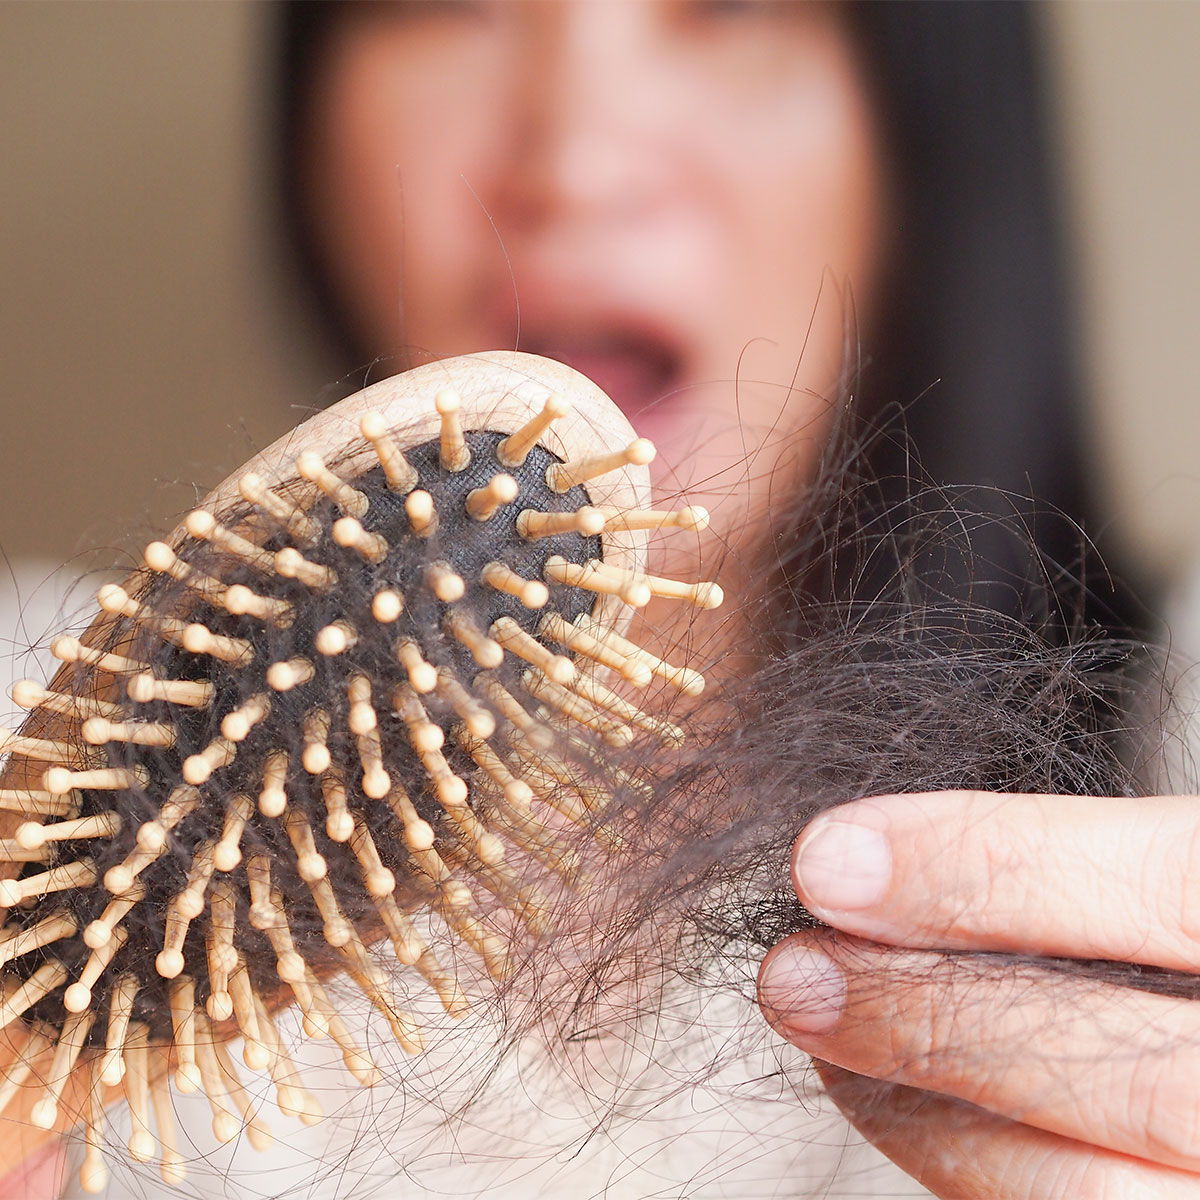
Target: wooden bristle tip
99	932
28	694
241	602
291	564
31	835
66	1053
99	731
199	639
425	735
205	527
483	503
514	449
198	768
485	650
478	721
532	593
563	476
421	674
67	877
59	780
596	576
236	725
401	477
71	650
512	637
586	521
445	582
161	559
291	519
78	997
453	453
349	533
137	1092
312	467
316	757
387	605
182	993
152	835
701	595
112	1062
692	518
339	823
421	514
227	853
284	676
272	800
335	639
144	688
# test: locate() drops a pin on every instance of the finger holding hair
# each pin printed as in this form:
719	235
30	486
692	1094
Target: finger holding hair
962	1152
1070	1054
1073	876
965	996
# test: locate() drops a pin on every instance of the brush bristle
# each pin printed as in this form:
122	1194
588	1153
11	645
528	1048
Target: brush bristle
361	696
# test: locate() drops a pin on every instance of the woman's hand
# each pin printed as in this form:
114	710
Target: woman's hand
39	1177
982	1074
32	1159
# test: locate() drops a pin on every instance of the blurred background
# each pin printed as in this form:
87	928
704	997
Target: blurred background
150	337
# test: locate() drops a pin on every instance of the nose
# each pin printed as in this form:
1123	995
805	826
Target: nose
591	129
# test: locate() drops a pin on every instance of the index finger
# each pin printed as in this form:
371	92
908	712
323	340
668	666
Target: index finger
41	1174
1074	876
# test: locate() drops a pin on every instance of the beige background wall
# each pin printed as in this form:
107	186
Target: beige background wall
144	345
1129	108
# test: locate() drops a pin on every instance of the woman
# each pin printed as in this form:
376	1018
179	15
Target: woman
663	194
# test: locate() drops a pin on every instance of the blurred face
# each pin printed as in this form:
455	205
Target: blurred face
669	195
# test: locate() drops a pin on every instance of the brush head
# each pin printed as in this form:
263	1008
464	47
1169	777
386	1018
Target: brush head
370	684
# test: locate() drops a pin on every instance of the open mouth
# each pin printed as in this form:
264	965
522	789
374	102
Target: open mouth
639	372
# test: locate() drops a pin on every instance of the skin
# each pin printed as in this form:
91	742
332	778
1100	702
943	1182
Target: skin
41	1174
32	1159
714	204
987	1077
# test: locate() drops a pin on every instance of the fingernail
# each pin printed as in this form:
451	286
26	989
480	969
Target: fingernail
802	990
843	867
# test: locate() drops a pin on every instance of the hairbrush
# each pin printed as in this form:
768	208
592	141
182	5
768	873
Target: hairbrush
376	682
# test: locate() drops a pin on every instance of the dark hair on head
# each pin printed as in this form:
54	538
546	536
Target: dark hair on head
303	28
976	317
971	342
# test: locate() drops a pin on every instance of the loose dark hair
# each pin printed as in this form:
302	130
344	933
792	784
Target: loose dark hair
932	626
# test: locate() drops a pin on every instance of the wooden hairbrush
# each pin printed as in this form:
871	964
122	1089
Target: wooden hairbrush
388	653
